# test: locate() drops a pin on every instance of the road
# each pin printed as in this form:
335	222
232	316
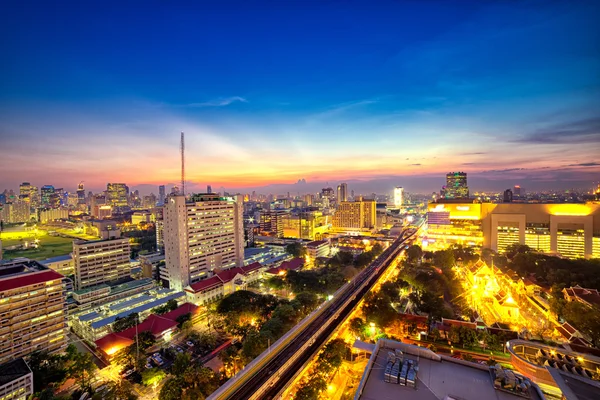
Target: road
338	309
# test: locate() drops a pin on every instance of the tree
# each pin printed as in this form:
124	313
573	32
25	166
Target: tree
253	345
332	356
123	390
377	308
296	250
435	333
377	249
48	370
165	308
307	301
172	389
183	318
454	335
181	363
122	323
82	369
153	376
414	253
357	326
275	283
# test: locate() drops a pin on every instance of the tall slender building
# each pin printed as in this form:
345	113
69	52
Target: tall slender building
161	195
398	196
342	192
456	186
80	194
47	193
201	234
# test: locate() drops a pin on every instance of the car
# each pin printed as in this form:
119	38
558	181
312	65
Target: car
179	349
148	365
127	373
190	343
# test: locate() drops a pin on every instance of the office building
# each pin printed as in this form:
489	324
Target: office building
162	195
327	197
456	186
30	192
508	196
342	192
311	225
202	234
80	194
271	222
517	191
32	309
47	192
355	216
16	212
398	196
208	189
100	261
568	230
16	380
117	194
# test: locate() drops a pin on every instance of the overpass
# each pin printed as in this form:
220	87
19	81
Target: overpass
267	376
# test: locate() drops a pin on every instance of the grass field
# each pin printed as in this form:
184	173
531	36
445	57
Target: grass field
49	246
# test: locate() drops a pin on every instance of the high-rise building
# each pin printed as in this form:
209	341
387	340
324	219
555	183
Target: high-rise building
162	194
508	196
359	215
117	194
16	212
456	186
202	234
100	261
80	194
342	192
32	309
327	196
272	221
30	194
47	192
398	196
149	201
208	189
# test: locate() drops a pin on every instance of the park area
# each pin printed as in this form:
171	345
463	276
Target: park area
22	242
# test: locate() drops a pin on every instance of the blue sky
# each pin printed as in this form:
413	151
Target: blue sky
377	94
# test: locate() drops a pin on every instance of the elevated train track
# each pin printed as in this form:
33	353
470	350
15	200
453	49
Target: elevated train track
267	376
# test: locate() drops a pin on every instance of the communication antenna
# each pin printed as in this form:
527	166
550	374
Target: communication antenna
182	164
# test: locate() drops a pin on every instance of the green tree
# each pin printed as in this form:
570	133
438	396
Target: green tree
181	363
122	323
253	345
153	376
357	326
435	333
332	356
48	370
377	308
454	335
275	283
307	301
172	389
82	369
414	253
296	250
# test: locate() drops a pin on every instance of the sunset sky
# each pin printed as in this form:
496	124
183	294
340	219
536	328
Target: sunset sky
376	94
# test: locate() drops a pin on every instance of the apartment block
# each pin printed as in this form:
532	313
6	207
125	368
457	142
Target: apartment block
100	261
32	309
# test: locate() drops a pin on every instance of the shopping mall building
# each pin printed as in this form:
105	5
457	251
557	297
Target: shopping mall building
568	230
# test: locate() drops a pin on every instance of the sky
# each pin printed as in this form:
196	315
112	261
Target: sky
376	94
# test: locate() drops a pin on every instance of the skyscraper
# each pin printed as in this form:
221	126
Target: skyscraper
117	194
29	193
456	186
208	189
162	194
508	196
202	234
342	192
80	194
100	261
360	215
398	196
47	193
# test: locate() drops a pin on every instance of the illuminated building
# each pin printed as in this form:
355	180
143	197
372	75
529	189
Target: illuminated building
327	197
46	194
306	225
15	212
117	194
29	191
398	194
149	201
160	228
318	248
568	230
53	215
16	380
80	194
32	309
518	192
201	235
61	264
104	211
161	195
309	199
100	261
342	192
355	216
456	186
271	221
508	196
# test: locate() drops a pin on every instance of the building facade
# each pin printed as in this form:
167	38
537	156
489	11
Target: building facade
32	309
117	194
456	186
342	192
398	196
568	230
16	380
100	261
355	216
201	235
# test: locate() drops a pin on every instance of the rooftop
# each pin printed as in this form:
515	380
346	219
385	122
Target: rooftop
437	378
56	259
25	273
13	370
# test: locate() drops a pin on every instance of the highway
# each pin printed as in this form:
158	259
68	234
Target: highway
271	377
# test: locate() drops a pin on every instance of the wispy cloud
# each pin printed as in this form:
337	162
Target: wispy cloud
580	131
587	164
220	102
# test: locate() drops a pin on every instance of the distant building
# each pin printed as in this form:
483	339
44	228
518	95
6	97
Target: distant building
162	194
30	192
398	196
202	234
271	221
342	192
149	201
517	191
53	215
47	191
81	194
456	186
508	196
360	215
16	212
100	261
318	248
32	309
209	189
117	194
16	380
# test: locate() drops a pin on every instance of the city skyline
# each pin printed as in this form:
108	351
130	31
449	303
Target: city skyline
400	95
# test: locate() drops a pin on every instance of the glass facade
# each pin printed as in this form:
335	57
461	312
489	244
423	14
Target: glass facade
508	234
571	243
537	236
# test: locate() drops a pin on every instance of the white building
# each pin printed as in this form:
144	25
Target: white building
398	196
100	261
16	380
53	214
201	234
318	248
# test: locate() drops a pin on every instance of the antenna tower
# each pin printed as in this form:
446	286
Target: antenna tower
182	164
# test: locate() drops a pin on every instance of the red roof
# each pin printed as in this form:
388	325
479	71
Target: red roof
316	243
185	308
229	274
251	267
206	284
112	343
294	264
155	324
29	279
